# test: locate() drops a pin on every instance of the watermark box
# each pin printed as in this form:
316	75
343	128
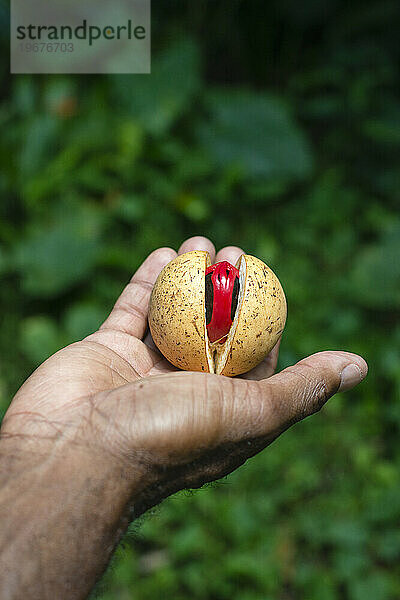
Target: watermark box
80	36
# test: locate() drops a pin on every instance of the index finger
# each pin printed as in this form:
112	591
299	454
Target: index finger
130	311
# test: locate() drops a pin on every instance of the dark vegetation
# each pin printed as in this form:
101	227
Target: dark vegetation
270	125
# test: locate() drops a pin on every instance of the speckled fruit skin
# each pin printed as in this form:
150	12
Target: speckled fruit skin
261	320
177	314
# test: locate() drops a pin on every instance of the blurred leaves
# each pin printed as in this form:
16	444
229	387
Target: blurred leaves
40	337
254	133
55	258
376	275
157	101
81	319
274	127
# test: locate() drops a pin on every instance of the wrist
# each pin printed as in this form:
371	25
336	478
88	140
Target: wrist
69	458
71	504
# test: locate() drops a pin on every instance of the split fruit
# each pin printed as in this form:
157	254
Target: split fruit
216	318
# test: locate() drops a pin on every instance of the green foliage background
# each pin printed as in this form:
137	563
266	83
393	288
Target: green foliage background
270	125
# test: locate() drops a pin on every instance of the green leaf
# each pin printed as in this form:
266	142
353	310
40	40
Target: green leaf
388	546
82	319
40	136
385	128
255	133
375	585
53	259
39	338
376	273
157	100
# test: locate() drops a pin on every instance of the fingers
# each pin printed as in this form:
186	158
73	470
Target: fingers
130	311
229	253
198	243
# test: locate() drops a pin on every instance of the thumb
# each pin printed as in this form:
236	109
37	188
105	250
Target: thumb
302	389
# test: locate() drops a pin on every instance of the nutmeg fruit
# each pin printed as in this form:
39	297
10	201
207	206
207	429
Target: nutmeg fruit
216	318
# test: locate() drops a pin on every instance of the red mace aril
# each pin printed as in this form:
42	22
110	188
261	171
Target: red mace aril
222	290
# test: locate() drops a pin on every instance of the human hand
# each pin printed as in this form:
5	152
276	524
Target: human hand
114	391
106	428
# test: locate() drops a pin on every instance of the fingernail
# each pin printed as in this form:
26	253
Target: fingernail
351	376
